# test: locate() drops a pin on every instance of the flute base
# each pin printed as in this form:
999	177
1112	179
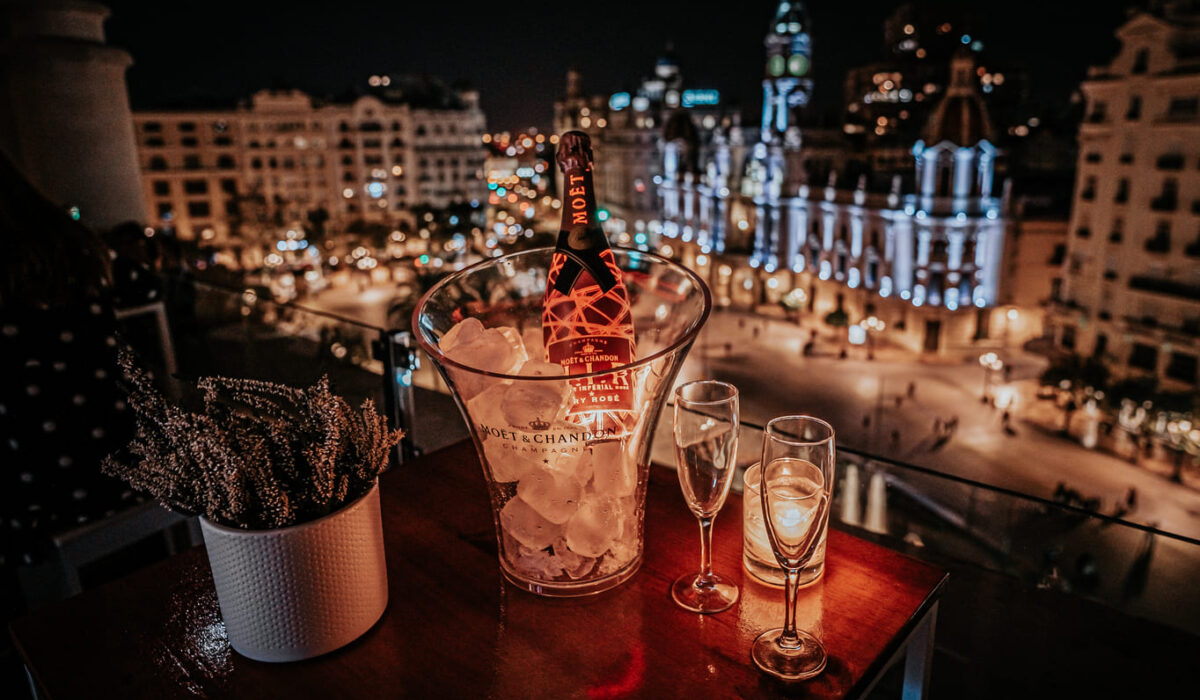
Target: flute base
696	593
790	663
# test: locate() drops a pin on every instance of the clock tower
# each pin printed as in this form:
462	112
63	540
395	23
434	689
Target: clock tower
786	82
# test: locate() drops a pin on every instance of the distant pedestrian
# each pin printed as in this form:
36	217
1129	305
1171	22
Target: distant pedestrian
937	427
866	421
912	389
952	425
756	331
894	440
899	401
1131	498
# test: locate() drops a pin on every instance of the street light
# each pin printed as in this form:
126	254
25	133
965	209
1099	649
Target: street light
990	362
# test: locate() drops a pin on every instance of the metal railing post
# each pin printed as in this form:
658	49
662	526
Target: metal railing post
400	359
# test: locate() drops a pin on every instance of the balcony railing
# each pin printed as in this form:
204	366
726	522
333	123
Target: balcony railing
1183	290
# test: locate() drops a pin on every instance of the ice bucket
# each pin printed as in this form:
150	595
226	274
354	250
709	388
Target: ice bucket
568	495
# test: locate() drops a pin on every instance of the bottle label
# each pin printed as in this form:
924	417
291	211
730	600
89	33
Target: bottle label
596	353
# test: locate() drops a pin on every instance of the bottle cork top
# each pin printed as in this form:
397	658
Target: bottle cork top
574	151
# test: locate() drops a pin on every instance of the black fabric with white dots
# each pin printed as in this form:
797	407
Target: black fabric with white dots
61	412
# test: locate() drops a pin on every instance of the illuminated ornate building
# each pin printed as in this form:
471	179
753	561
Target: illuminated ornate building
1130	292
768	233
284	157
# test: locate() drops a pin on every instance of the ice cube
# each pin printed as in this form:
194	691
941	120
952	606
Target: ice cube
530	404
537	564
465	330
614	471
554	497
526	526
534	342
494	350
591	530
574	565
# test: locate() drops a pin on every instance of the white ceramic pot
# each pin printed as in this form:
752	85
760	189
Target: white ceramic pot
297	592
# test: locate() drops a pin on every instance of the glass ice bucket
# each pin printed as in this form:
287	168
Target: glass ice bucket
568	492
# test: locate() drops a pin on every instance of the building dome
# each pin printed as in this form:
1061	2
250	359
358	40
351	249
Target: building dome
961	117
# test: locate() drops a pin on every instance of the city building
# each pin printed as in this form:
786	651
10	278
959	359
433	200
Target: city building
284	158
64	110
627	130
926	261
1130	291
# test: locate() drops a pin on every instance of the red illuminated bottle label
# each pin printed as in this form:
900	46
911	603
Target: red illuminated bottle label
596	353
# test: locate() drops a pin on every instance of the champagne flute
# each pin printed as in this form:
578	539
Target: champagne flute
797	488
706	436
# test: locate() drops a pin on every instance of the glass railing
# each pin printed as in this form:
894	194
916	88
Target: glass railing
1056	544
1059	543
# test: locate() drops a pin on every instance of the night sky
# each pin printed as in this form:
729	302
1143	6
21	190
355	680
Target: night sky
191	54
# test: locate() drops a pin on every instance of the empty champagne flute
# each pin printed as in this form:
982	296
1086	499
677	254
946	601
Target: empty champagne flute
706	435
797	488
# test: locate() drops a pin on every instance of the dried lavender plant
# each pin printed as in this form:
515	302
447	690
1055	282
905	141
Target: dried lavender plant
260	455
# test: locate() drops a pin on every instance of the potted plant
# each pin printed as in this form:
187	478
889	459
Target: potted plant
285	482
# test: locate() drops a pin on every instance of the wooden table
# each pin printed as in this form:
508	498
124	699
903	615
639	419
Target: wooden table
455	629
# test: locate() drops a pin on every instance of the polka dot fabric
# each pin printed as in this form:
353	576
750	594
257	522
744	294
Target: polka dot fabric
301	591
58	419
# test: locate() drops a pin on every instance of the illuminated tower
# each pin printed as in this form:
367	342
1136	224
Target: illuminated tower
786	83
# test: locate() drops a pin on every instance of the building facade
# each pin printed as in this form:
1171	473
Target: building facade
1130	291
767	230
285	159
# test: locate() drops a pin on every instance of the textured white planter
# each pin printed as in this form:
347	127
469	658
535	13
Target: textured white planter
298	592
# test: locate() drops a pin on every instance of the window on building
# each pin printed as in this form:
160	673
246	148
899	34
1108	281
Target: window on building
158	163
152	127
397	142
155	141
231	207
1060	254
187	127
272	163
1092	157
1183	108
1144	357
1099	112
256	163
421	130
188	142
1134	112
370	126
195	186
1122	194
162	187
1068	337
343	126
229	185
347	176
191	162
226	162
164	210
1182	367
395	126
198	210
1161	242
223	141
1118	230
1141	61
1088	193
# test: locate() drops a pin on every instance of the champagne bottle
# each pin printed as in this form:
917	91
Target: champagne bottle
587	323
